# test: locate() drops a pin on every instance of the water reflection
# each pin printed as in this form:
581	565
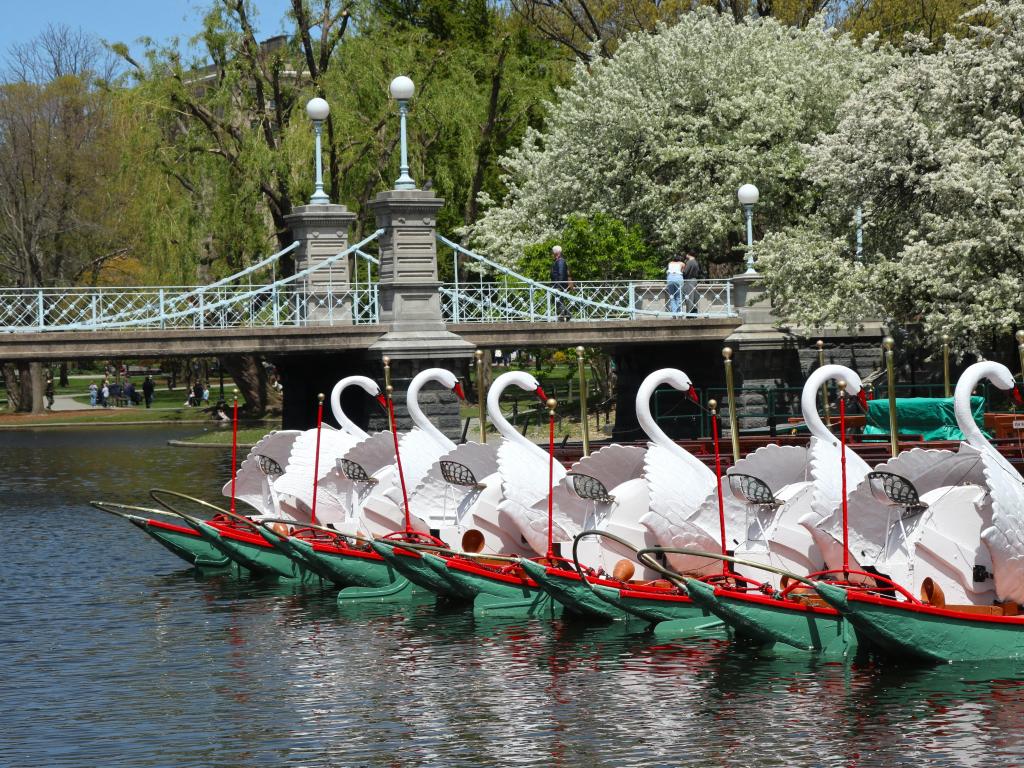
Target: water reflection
111	652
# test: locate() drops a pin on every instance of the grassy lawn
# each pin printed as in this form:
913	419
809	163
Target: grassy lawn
105	416
222	435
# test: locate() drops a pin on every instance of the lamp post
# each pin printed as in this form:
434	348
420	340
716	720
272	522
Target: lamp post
318	109
402	89
748	197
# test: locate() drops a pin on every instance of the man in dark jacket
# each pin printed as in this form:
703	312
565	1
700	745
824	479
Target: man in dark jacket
561	281
147	390
691	273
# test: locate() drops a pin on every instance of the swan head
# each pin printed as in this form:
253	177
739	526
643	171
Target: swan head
995	372
677	380
442	376
521	379
854	385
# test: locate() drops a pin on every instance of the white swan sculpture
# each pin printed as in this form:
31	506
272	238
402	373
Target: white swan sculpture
620	502
773	497
255	476
377	503
523	467
937	526
295	487
677	481
464	490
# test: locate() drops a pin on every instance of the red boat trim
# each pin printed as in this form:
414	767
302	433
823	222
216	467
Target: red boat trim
508	578
931	610
228	531
643	594
346	551
789	605
172	527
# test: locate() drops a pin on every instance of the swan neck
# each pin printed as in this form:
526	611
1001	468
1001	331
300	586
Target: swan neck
412	405
505	429
643	413
340	416
809	402
962	408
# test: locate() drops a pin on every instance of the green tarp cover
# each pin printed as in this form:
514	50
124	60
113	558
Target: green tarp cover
930	417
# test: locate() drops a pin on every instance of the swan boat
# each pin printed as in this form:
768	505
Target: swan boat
226	538
253	479
961	545
368	489
634	495
503	514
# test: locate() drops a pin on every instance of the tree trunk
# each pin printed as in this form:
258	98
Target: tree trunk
250	377
64	374
10	371
37	385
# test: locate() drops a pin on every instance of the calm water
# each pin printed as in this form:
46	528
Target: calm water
113	653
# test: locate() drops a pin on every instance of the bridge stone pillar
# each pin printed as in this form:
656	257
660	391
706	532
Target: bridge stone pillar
410	304
322	231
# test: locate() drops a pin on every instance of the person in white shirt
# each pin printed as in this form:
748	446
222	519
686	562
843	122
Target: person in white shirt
674	284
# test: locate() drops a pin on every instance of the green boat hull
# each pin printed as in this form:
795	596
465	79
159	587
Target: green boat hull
347	570
412	566
186	544
574	594
440	567
401	590
286	545
782	624
505	597
260	559
928	633
671	616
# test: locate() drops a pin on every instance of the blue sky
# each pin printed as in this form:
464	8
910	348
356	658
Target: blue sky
121	20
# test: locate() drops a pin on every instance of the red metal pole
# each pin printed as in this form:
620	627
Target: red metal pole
316	459
234	449
842	468
718	477
551	478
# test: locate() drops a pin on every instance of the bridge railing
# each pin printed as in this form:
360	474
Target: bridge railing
227	303
509	297
512	302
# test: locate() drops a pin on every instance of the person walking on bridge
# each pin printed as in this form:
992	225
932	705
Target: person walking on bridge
560	280
691	273
674	284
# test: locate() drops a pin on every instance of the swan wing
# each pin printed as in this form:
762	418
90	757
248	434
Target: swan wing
870	521
775	465
676	491
443	503
612	465
251	484
1005	537
419	451
373	453
524	484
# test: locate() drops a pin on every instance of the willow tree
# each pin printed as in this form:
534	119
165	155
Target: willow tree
61	174
662	135
932	154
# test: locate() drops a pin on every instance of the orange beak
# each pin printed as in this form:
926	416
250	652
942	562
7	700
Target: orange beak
1015	394
383	401
692	394
862	398
457	389
541	395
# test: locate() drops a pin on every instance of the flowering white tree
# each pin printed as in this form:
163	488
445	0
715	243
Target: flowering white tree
662	134
934	154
